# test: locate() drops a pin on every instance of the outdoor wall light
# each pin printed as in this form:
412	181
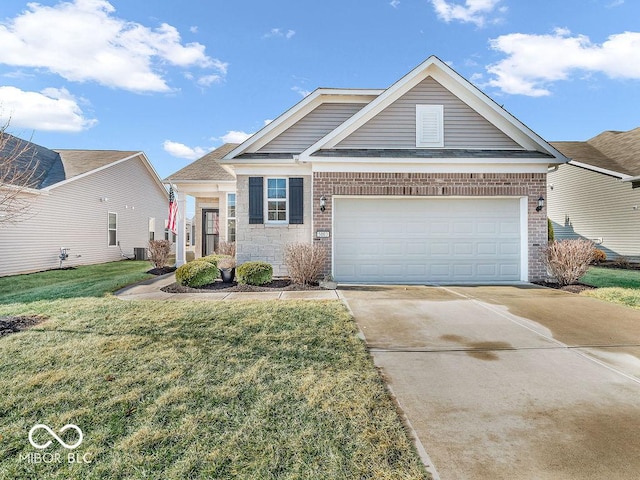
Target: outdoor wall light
540	204
323	203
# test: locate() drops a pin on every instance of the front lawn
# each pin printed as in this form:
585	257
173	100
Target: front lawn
196	389
614	285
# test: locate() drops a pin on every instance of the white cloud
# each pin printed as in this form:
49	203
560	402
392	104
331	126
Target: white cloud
303	92
234	136
473	11
394	3
193	29
533	62
181	150
208	80
615	3
280	33
82	40
53	109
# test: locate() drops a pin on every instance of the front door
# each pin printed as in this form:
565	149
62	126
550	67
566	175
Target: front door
210	231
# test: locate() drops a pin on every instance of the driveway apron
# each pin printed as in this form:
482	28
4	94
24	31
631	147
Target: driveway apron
509	382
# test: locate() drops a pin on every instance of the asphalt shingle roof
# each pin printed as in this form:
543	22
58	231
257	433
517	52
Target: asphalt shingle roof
615	151
206	168
428	153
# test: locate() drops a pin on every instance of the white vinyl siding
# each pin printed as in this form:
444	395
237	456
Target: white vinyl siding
423	240
312	127
395	126
591	205
429	126
131	192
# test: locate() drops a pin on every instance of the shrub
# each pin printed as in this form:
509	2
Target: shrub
621	262
254	273
599	256
568	260
197	273
159	252
214	258
227	248
305	262
550	233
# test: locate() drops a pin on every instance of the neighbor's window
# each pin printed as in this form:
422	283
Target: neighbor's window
277	200
231	217
113	229
152	228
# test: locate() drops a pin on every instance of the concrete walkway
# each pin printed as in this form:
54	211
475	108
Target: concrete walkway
511	382
151	290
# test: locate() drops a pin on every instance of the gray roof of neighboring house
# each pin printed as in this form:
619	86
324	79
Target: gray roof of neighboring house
54	166
615	151
206	168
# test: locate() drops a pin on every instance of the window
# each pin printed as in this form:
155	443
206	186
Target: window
231	217
277	200
152	228
429	126
113	229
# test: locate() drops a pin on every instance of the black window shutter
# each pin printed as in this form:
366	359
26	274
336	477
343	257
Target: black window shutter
296	201
256	201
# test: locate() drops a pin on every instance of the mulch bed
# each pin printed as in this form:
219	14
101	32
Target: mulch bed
161	271
9	325
575	288
276	285
619	265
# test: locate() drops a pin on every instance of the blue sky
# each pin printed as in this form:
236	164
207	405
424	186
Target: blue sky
178	78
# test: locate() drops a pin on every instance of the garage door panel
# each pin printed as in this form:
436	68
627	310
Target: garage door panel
391	240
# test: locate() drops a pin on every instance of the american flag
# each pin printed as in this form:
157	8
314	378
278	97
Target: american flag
173	211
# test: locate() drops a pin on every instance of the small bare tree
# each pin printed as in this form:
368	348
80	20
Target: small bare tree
159	251
18	173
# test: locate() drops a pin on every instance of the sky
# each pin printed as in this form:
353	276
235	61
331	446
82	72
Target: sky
176	79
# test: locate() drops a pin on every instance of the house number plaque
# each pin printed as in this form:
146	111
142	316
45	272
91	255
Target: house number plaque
322	234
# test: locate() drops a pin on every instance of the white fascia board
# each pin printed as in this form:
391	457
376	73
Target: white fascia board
197	182
27	190
458	160
630	179
264	170
296	113
431	167
622	176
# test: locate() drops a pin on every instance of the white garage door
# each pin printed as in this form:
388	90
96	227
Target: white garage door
418	240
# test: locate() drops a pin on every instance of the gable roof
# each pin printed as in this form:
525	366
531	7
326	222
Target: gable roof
206	167
53	168
460	87
611	152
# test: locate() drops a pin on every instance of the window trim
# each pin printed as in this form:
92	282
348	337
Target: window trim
266	201
235	214
421	110
109	230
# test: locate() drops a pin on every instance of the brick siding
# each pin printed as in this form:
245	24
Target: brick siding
531	185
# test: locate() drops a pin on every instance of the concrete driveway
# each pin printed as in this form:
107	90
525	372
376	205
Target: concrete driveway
510	382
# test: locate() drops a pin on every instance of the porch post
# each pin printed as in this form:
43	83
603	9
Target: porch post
181	256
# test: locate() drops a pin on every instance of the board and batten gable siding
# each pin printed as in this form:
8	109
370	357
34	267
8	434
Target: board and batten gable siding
312	127
585	204
73	216
395	126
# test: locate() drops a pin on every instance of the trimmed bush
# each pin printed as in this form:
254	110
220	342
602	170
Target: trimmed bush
197	273
550	234
304	261
568	260
599	256
254	273
215	258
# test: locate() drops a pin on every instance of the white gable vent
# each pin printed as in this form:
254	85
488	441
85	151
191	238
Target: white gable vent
429	126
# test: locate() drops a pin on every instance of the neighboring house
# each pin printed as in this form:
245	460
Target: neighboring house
426	181
97	204
596	194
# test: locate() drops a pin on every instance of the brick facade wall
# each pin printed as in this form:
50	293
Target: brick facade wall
531	185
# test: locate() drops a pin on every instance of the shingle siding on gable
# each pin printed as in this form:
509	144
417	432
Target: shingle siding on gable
395	126
312	127
587	204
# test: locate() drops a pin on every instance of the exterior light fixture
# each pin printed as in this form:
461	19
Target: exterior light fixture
323	203
540	204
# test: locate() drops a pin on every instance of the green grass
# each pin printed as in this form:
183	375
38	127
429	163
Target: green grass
193	389
83	281
614	285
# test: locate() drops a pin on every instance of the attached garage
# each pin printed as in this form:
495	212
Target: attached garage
429	240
